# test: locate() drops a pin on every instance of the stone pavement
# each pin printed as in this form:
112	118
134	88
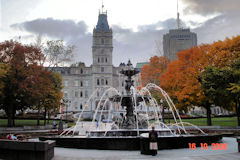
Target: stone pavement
174	154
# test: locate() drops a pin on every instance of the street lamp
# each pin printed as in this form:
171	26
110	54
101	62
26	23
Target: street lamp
61	107
68	102
161	103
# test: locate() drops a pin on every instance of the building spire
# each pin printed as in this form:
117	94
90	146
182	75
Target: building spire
178	19
102	6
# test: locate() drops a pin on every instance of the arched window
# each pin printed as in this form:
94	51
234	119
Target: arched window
80	106
81	83
106	82
98	82
98	59
102	41
106	60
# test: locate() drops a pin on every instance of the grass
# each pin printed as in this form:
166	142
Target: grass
219	121
28	122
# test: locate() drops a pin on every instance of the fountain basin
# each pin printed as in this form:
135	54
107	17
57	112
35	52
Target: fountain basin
130	142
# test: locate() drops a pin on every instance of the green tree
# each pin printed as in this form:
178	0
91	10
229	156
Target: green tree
222	86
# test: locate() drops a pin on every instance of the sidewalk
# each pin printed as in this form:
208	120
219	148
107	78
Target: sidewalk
174	154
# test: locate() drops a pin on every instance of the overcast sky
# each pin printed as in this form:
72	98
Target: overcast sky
138	25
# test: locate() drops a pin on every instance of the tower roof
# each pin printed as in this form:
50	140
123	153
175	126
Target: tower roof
102	24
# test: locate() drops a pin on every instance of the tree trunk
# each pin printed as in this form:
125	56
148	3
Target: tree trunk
48	117
209	121
10	120
238	112
10	115
38	117
45	115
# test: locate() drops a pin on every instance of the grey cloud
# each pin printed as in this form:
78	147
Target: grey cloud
54	28
137	46
205	7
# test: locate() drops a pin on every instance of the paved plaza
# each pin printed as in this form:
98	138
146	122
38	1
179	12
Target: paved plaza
175	154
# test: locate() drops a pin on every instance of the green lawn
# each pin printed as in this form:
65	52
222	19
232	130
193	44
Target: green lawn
24	122
220	121
224	121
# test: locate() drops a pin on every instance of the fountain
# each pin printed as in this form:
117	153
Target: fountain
131	129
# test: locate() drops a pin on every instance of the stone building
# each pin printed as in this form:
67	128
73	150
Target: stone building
81	82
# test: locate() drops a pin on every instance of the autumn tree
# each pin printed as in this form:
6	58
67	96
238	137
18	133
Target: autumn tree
51	101
181	79
152	71
18	81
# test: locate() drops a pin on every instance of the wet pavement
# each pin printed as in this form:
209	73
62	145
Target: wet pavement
231	153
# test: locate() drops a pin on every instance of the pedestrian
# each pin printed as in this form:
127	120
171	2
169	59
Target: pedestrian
153	138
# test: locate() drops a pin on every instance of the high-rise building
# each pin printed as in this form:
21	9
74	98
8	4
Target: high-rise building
177	40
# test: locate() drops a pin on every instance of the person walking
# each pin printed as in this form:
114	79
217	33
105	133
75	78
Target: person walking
153	145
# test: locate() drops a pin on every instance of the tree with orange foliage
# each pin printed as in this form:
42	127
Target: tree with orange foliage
152	71
26	83
181	79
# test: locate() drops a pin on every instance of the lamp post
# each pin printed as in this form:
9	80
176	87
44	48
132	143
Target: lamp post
68	103
161	103
61	107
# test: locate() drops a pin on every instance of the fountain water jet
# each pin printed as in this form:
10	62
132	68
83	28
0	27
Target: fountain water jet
127	136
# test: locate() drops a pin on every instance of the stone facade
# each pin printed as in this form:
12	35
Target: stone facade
80	81
177	40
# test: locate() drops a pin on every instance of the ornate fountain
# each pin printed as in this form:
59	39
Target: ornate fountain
130	120
129	133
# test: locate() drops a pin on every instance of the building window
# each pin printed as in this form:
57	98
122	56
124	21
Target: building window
106	60
102	51
66	83
122	84
102	81
65	95
98	59
80	106
102	69
81	94
102	41
86	83
102	59
81	71
76	83
76	94
81	83
86	94
98	83
106	82
75	105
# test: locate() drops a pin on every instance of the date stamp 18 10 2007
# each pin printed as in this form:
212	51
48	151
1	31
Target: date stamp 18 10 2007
205	146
